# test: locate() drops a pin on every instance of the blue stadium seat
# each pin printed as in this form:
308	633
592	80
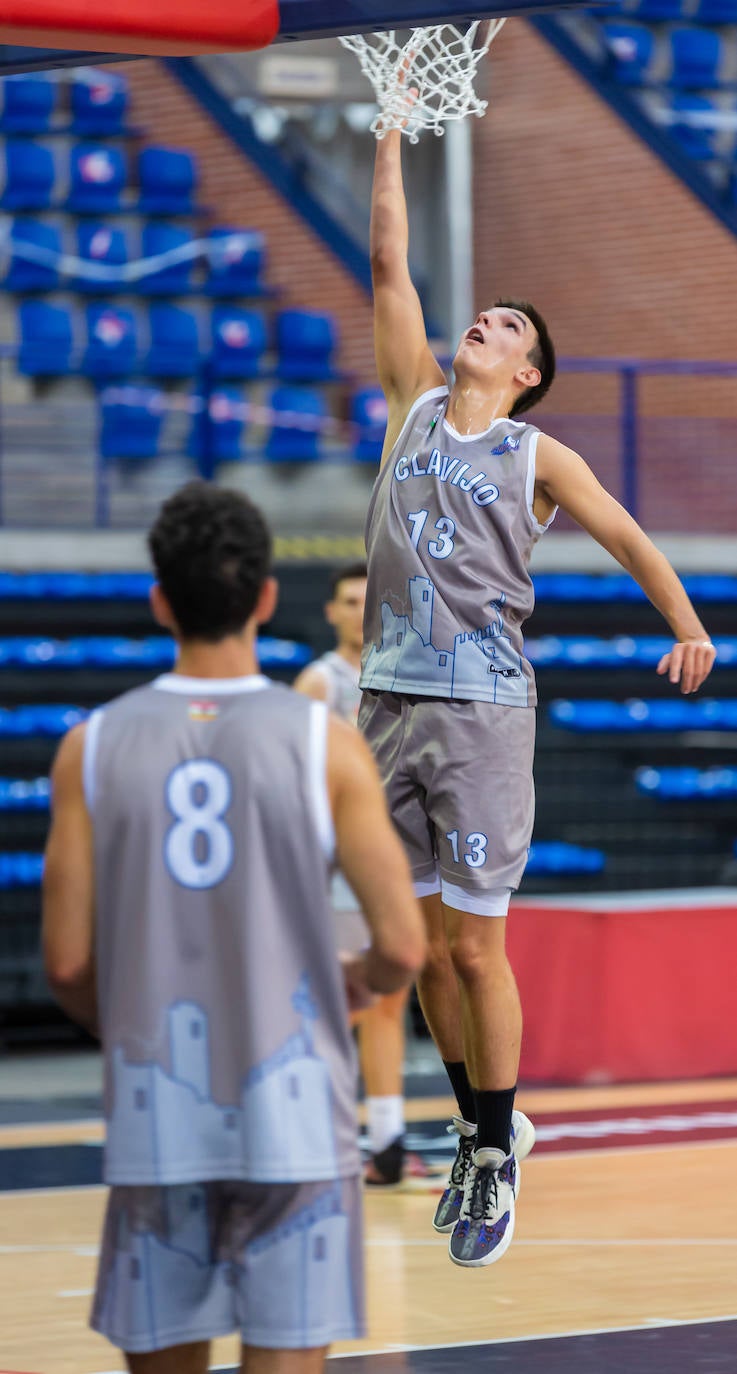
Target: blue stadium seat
46	340
236	261
587	651
695	138
104	247
238	342
657	11
636	717
696	55
175	280
24	722
631	48
33	273
111	343
368	415
174	350
595	587
716	12
556	856
99	106
131	422
115	651
168	179
29	176
21	794
297	425
28	104
216	433
305	343
97	177
688	784
74	586
20	870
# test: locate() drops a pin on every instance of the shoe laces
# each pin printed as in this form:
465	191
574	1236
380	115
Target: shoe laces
484	1193
463	1159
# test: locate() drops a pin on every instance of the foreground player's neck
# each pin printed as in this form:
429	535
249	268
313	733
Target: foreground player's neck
231	657
472	409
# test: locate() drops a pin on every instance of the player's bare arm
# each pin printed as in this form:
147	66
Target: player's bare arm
374	862
565	480
68	923
311	683
405	363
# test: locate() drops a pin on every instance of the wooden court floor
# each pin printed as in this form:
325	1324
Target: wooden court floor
607	1238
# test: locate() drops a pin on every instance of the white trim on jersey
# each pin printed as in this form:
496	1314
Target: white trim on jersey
530	488
89	754
317	774
224	686
481	433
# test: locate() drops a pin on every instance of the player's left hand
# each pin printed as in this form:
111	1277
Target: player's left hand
689	662
359	995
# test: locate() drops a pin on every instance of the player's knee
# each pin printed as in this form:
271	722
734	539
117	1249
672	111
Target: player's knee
474	958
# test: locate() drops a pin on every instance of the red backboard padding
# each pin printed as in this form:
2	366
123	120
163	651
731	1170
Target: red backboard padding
172	28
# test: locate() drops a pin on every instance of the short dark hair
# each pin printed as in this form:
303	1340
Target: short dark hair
345	574
541	355
211	551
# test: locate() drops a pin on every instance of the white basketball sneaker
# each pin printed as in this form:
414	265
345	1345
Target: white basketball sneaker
448	1210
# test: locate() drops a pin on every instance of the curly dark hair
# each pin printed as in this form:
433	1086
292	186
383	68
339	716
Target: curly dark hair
541	355
211	551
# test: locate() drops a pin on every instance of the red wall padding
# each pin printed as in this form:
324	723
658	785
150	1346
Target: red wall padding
168	27
626	993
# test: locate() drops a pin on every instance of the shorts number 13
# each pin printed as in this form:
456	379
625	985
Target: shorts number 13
475	853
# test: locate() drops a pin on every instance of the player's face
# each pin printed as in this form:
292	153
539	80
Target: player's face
345	612
496	346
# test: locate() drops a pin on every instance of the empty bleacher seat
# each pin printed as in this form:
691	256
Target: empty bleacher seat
598	587
636	716
217	429
35	250
688	784
657	11
238	342
46	340
690	115
20	870
74	586
631	48
111	342
23	722
174	350
716	11
27	104
297	424
131	421
235	262
102	247
117	651
587	651
557	856
368	415
97	178
305	342
168	180
696	55
29	175
99	105
21	794
174	279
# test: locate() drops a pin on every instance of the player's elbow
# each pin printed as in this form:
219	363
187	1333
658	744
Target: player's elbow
388	262
67	970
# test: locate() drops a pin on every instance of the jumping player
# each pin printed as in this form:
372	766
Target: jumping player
334	679
186	917
467	487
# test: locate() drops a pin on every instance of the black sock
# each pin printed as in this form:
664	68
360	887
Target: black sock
494	1117
458	1076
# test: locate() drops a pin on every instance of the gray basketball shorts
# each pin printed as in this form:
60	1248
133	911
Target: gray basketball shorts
458	780
281	1263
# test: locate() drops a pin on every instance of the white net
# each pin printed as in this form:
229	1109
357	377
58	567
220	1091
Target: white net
427	80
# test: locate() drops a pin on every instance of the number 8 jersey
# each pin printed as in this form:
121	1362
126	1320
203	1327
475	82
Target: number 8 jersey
449	533
223	1020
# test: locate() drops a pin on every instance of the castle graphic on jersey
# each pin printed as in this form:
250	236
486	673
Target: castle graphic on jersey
482	664
166	1251
282	1125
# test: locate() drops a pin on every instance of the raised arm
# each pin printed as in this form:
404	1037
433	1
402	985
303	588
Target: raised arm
566	480
405	363
371	856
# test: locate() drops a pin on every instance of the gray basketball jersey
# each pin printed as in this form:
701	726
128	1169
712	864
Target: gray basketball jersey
223	1016
341	680
449	533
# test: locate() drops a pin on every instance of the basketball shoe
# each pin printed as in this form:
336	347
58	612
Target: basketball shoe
393	1166
484	1230
448	1210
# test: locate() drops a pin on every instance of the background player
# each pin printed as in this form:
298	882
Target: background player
186	916
464	494
333	678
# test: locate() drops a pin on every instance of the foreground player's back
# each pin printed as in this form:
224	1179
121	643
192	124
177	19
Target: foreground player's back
223	1012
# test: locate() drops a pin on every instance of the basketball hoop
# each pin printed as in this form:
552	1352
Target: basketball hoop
426	81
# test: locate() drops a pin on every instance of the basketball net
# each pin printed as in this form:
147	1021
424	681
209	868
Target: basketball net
426	81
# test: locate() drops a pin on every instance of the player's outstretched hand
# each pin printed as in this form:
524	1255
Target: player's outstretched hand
689	662
359	994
